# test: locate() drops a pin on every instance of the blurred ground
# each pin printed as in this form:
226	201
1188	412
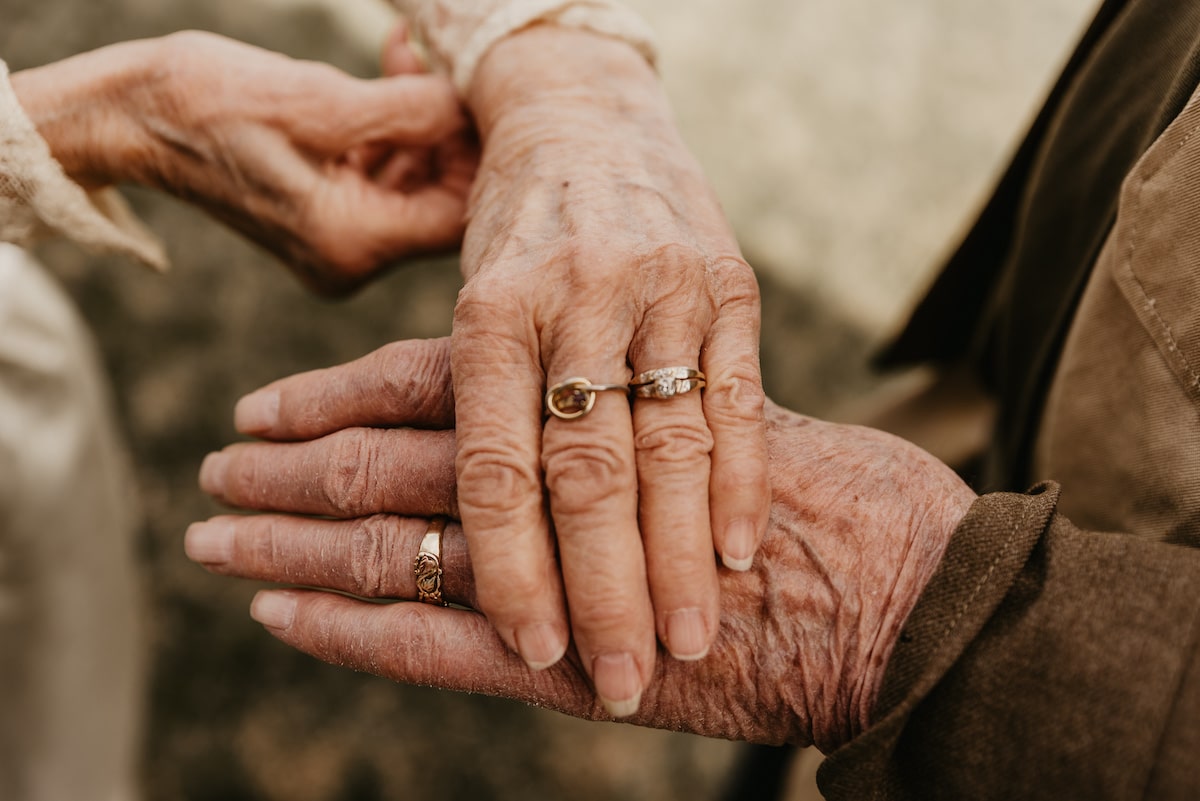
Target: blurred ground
849	141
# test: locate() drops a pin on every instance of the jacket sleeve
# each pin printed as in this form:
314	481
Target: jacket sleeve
1041	662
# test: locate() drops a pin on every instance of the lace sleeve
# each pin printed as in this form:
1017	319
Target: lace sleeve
459	33
37	198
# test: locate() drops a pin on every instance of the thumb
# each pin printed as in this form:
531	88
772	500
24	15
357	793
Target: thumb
399	56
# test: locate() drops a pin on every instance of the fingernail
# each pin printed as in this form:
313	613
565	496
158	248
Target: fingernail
258	412
740	539
274	609
540	645
687	636
209	543
212	473
617	683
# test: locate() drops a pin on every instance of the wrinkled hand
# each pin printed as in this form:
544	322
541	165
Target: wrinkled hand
859	520
596	249
335	175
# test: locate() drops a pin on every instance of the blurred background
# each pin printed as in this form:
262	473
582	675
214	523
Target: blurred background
850	141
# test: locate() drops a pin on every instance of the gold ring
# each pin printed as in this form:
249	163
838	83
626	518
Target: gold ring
667	382
427	567
575	397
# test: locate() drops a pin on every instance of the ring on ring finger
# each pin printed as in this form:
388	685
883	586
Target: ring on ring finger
667	382
427	566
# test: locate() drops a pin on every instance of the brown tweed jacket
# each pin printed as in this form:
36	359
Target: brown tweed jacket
1046	660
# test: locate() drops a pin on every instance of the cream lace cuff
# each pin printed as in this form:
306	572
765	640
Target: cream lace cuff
460	32
38	199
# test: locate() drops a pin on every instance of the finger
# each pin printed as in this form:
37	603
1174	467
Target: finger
354	227
454	649
401	384
591	477
393	223
402	110
498	402
370	157
355	472
740	489
673	444
371	557
350	224
399	57
404	171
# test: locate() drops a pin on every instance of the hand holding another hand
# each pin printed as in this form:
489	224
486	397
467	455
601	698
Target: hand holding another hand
859	520
336	176
595	248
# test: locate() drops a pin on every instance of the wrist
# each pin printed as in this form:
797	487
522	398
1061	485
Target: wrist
918	563
561	66
80	107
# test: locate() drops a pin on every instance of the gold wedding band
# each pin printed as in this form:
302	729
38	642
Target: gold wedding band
667	382
427	566
575	397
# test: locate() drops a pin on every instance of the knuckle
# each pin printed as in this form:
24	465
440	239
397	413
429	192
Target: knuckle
494	479
604	615
736	398
579	474
372	549
674	442
482	298
349	484
508	597
414	377
246	477
736	279
490	320
263	543
678	273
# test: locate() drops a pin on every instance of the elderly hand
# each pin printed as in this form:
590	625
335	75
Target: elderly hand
335	175
596	249
859	520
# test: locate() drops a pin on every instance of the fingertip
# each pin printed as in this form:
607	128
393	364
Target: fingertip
687	634
209	543
541	645
398	56
739	544
257	414
274	609
618	683
212	473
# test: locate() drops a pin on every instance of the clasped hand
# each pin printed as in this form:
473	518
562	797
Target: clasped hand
337	176
859	520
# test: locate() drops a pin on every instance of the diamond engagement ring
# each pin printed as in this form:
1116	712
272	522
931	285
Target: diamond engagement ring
667	382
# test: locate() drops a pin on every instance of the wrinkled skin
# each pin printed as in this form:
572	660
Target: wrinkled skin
593	247
859	520
336	176
596	248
